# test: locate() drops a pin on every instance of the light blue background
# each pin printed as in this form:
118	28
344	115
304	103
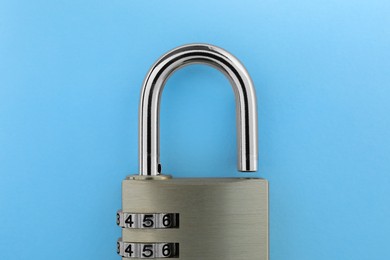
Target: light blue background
70	78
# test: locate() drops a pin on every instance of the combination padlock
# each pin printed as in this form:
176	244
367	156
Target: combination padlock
195	219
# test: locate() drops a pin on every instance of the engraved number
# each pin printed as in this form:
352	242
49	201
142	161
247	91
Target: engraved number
118	219
118	248
148	221
147	251
129	220
167	220
167	250
129	250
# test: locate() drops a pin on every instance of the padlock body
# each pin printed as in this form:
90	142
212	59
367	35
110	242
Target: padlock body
218	219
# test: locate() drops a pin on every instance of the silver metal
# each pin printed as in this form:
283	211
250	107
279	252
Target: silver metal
147	220
246	107
225	218
147	250
220	219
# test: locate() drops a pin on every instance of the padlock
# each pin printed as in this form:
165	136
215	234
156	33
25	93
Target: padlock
195	219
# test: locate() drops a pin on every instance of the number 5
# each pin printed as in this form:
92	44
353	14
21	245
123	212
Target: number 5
148	221
147	251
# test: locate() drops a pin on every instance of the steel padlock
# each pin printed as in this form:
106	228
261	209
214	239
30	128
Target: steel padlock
195	219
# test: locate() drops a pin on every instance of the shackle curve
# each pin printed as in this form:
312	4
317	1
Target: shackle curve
153	85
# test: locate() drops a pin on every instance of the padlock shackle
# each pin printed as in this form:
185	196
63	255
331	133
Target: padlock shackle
149	110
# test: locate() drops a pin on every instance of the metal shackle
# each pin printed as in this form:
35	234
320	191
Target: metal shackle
149	110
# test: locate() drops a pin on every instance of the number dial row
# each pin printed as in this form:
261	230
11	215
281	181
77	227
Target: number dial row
148	250
153	220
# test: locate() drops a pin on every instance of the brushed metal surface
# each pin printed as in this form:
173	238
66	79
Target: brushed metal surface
220	219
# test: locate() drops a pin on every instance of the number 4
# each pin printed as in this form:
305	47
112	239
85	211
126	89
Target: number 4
129	221
128	250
